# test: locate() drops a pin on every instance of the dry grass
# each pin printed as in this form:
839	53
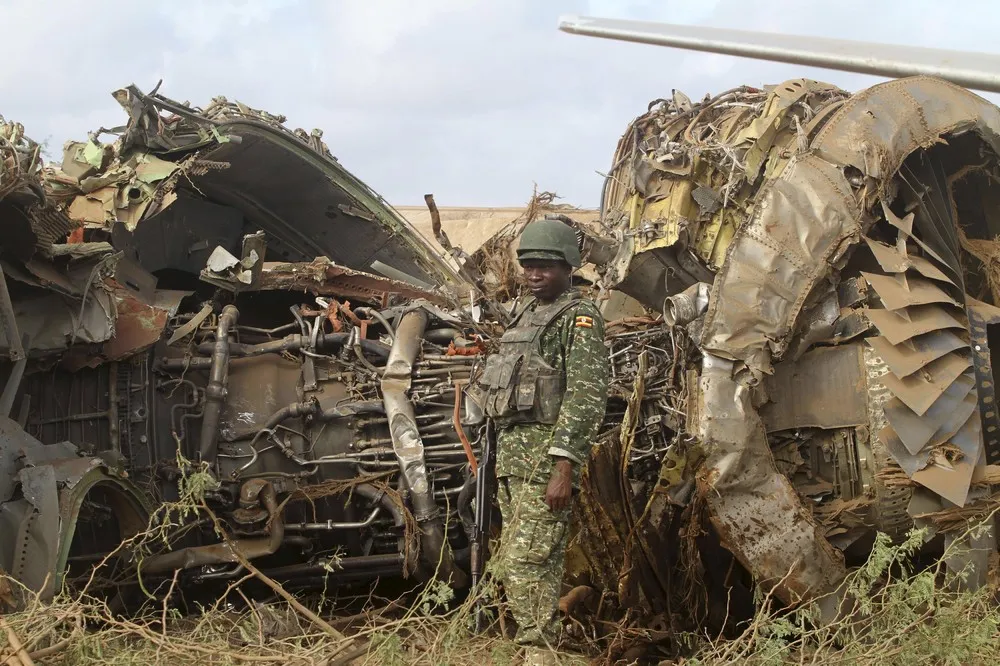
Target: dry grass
900	616
897	615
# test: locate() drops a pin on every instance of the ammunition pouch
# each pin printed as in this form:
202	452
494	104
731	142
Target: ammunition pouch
517	385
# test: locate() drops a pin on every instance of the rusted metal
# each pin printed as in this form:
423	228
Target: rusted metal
228	551
139	325
323	278
456	421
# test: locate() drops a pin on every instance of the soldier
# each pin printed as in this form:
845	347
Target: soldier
546	390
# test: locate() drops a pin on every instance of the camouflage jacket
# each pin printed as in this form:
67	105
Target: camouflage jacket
574	342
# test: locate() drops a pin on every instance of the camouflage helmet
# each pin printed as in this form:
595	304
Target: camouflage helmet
550	240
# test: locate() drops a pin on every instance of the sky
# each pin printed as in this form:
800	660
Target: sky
475	101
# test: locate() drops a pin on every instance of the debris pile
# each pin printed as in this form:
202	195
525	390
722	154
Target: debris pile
263	327
800	289
840	306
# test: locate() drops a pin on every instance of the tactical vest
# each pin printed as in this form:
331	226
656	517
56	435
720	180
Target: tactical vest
518	385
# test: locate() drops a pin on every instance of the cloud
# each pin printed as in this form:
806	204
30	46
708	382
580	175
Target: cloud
473	100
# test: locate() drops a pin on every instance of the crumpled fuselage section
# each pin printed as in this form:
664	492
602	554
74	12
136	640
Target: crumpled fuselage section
841	378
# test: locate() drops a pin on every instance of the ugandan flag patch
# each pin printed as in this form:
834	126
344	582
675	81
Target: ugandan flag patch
584	322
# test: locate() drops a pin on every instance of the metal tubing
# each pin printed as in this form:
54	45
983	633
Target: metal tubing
359	563
683	308
377	316
979	71
331	525
409	447
215	392
221	553
290	411
296	342
351	409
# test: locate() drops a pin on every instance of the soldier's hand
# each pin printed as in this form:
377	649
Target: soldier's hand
560	490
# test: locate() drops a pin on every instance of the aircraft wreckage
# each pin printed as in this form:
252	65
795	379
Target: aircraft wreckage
801	288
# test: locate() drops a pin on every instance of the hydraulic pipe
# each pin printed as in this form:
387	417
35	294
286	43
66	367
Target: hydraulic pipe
295	343
331	525
978	71
215	392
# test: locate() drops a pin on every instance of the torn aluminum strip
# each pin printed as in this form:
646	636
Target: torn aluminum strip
917	431
952	483
920	391
907	357
899	291
894	261
191	325
899	327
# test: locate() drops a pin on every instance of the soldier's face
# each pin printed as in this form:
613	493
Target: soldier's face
546	280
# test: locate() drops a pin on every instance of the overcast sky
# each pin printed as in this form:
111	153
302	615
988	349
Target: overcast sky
473	100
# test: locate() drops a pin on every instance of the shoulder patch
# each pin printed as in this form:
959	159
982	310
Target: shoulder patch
583	321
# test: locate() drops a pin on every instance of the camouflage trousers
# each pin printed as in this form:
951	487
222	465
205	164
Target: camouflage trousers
531	558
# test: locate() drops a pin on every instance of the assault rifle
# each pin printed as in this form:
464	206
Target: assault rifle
485	490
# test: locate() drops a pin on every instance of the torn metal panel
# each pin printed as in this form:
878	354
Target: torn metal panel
36	544
226	271
909	462
799	225
823	389
51	322
324	278
891	120
754	507
306	202
139	325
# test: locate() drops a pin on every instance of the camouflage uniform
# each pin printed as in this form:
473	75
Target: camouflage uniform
533	544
